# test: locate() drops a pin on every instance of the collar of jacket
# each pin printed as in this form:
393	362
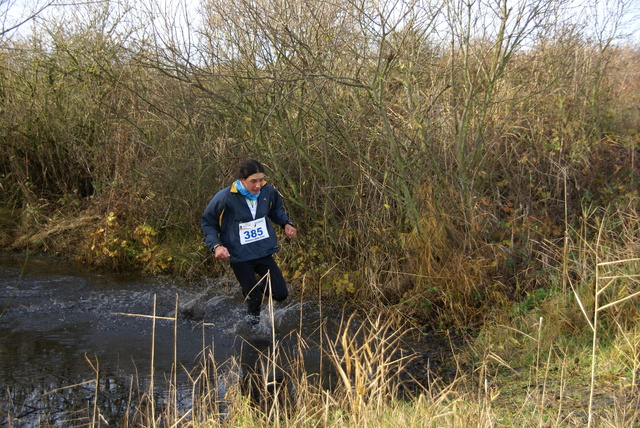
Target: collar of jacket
234	189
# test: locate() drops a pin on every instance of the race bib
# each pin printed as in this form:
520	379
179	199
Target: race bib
253	231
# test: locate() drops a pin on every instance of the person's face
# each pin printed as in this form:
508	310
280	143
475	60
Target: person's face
254	182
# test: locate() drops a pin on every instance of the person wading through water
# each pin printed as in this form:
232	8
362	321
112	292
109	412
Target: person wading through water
237	225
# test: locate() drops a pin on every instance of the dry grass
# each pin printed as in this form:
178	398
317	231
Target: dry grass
565	359
493	386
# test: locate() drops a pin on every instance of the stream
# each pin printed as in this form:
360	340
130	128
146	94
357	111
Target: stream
63	326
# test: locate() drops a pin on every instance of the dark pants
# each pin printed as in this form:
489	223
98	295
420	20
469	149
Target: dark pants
250	272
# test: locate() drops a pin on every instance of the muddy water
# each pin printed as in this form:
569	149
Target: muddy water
59	323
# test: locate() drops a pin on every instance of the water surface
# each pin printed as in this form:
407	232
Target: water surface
60	324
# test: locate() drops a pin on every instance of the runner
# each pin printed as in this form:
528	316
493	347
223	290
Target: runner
237	226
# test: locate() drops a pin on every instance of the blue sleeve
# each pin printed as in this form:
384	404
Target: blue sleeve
211	218
276	212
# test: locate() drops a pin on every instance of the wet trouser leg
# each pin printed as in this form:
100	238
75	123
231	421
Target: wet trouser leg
250	272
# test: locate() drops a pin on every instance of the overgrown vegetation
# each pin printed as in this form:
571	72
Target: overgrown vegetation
466	165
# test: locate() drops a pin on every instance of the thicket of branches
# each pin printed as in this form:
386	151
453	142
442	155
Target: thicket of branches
431	153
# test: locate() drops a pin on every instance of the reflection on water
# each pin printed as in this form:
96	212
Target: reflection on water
62	328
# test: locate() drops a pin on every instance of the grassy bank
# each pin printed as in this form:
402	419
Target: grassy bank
565	358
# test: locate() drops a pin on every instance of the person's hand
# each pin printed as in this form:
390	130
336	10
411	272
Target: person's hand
290	231
221	252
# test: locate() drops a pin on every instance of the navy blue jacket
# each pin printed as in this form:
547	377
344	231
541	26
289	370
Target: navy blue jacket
228	209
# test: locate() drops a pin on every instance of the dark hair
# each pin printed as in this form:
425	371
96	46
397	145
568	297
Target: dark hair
249	167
